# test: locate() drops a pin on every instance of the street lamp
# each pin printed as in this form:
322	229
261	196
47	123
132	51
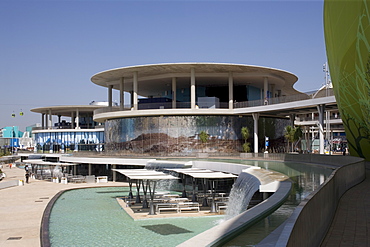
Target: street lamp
13	133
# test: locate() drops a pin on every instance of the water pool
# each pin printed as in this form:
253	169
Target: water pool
92	217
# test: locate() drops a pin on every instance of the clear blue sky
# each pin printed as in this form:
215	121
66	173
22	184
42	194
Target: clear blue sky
50	49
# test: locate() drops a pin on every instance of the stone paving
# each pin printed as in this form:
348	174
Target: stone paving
351	224
22	207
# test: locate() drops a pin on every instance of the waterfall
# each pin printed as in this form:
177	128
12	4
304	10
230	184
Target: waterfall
57	172
167	185
241	193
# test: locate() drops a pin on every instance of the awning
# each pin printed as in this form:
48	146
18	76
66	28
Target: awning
47	163
211	175
150	177
138	172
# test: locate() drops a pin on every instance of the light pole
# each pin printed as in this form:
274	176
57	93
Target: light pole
11	140
13	133
327	113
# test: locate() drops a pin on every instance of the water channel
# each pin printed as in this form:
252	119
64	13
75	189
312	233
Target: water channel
92	217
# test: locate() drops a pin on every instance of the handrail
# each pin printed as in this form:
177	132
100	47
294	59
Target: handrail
68	128
220	105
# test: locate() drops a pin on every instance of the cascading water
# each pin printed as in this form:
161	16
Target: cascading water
57	172
241	193
167	185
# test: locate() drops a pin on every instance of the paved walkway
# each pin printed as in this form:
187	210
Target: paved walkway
351	224
22	207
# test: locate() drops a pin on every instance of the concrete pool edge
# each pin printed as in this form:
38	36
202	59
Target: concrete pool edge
44	229
312	218
232	227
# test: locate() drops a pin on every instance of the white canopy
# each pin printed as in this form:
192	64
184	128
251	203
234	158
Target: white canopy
203	173
149	177
188	170
143	174
47	163
210	175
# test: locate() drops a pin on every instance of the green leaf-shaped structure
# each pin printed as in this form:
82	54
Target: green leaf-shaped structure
347	38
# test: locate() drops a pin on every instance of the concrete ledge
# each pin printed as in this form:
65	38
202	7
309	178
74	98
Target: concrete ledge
225	231
311	220
202	155
8	184
246	155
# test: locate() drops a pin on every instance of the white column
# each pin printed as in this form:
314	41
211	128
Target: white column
110	97
77	119
321	109
42	120
73	120
328	134
255	131
192	88
89	167
114	173
121	94
231	90
292	119
50	120
135	82
273	90
46	120
265	90
174	93
59	121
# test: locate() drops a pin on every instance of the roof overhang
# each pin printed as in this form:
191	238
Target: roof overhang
158	77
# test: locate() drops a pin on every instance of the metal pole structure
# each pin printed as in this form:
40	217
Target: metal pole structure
11	140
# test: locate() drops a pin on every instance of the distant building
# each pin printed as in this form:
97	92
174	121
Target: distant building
76	132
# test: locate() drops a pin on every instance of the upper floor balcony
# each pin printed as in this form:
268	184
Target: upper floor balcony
211	106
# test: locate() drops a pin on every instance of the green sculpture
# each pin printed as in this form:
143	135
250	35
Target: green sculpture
347	38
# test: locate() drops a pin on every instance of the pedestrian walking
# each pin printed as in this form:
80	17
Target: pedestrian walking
27	176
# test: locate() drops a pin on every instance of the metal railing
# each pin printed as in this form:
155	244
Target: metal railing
68	127
220	105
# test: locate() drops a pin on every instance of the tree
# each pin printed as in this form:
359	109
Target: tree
245	136
293	134
203	136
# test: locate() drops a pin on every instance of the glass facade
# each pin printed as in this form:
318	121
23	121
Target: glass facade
69	141
179	135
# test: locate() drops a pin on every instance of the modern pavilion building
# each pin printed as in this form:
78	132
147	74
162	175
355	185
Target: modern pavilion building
171	104
73	130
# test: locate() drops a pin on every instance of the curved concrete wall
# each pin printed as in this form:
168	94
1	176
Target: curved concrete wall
178	135
311	220
225	231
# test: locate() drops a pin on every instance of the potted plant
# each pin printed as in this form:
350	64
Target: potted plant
203	136
246	145
292	134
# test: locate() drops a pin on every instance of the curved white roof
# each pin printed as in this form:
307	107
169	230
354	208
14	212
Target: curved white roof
158	77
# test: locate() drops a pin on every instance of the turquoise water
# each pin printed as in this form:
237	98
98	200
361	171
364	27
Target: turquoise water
305	179
92	217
